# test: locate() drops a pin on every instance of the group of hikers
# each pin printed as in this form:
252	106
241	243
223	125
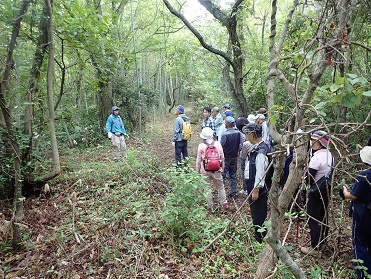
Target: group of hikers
226	139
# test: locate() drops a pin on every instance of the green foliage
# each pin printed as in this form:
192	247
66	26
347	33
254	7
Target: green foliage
360	266
183	215
318	273
347	91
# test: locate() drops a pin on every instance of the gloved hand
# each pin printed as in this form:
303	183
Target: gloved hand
126	135
110	135
341	193
173	143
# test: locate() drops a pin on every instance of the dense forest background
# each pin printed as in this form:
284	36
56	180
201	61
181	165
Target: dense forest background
63	64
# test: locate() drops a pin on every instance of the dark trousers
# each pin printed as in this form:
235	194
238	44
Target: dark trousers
362	244
317	210
259	214
230	171
181	148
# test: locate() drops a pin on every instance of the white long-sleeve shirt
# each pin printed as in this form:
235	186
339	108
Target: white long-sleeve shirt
261	164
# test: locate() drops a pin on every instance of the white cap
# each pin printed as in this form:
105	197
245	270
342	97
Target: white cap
207	133
260	116
251	118
365	154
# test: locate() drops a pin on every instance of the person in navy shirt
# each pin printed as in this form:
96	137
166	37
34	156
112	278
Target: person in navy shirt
115	130
232	141
361	203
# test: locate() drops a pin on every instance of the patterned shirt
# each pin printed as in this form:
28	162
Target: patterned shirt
209	122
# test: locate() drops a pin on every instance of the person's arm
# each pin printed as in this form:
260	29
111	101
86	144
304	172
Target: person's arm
212	125
177	128
199	159
223	140
261	163
348	195
310	176
109	124
242	140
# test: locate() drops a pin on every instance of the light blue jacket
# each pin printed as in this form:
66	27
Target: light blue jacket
178	127
114	124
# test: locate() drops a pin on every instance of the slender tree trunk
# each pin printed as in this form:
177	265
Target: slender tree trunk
56	168
32	92
7	117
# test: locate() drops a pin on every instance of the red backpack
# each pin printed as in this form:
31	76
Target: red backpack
212	158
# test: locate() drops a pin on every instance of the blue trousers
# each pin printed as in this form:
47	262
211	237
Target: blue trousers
362	244
230	171
181	148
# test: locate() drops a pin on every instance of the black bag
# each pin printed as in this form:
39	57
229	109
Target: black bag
322	184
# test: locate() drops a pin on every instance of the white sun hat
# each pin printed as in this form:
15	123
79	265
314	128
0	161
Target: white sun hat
365	155
207	133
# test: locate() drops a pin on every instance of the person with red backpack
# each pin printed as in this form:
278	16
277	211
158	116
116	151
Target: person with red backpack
210	163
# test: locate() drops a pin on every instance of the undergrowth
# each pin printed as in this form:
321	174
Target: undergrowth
131	219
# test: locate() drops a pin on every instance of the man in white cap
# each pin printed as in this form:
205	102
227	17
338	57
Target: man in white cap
115	130
361	203
213	177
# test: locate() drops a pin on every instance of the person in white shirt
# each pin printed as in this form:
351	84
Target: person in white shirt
320	168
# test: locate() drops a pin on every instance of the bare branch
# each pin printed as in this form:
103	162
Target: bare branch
198	35
361	45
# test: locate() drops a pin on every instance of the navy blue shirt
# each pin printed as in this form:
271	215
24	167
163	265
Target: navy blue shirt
362	190
232	141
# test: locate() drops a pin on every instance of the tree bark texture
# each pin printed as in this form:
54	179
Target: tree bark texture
56	167
18	213
31	93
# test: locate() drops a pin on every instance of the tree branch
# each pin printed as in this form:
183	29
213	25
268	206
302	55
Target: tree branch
198	35
361	45
216	11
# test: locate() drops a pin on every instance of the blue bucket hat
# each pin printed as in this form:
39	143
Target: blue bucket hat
180	108
229	120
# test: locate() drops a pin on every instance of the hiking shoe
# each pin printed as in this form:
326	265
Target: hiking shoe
302	215
292	215
310	251
243	192
224	207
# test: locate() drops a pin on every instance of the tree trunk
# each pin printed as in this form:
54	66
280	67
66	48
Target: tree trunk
7	117
56	167
31	93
